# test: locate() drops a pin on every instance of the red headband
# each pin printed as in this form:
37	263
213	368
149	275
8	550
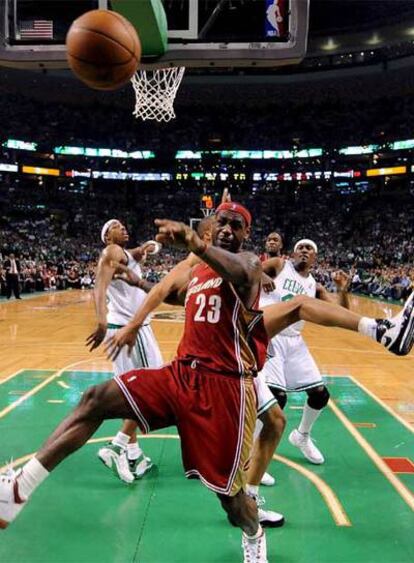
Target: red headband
236	208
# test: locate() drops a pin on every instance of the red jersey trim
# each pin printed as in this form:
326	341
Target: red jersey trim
240	341
237	335
144	423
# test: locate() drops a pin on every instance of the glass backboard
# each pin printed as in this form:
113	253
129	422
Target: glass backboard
222	33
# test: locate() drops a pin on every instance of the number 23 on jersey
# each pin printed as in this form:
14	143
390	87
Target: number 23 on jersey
208	308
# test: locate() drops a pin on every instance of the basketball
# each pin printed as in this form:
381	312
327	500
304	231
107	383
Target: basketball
103	49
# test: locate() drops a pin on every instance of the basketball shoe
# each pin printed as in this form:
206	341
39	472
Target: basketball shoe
268	480
11	502
267	518
305	443
397	333
140	466
115	458
254	550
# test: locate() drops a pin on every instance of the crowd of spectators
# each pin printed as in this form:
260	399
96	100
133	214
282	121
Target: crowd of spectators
53	228
370	235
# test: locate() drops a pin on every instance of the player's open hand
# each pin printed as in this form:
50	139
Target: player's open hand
125	336
96	337
341	280
150	247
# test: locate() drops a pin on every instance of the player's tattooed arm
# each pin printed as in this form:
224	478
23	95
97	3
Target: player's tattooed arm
342	281
123	273
273	266
104	275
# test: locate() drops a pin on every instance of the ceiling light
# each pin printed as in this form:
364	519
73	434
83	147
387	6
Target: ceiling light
330	45
375	39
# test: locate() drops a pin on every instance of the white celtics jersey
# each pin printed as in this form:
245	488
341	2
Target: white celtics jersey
124	300
290	283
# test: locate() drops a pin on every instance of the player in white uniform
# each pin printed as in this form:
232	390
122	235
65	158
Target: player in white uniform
290	366
116	303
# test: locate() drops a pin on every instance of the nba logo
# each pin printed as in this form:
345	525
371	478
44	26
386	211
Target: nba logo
274	18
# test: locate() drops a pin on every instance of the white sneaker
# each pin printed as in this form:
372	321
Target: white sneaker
268	480
115	458
397	333
268	518
307	447
254	551
11	502
140	466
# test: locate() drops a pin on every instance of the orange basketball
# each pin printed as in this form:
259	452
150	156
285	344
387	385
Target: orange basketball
103	49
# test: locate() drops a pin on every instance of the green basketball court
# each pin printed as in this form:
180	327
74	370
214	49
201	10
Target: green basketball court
357	507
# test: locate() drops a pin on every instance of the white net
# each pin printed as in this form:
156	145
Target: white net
155	92
207	212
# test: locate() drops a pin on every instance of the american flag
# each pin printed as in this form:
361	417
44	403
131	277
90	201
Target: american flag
36	29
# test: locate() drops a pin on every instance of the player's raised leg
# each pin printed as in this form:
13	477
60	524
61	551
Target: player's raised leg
98	403
395	334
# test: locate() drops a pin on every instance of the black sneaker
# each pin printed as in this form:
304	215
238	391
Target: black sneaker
397	334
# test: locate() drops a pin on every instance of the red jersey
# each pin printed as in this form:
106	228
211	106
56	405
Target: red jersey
264	256
220	332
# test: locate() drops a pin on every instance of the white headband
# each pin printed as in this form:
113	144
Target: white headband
106	228
307	241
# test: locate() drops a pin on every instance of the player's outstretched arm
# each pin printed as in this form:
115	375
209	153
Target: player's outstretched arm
242	269
273	266
104	274
170	289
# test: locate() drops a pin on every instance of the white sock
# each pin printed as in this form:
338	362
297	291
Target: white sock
368	327
121	440
32	475
255	536
252	490
133	451
308	419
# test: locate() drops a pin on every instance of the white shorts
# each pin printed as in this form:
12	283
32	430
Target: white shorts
145	353
265	398
290	366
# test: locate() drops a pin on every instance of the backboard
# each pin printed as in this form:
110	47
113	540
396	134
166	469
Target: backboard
201	33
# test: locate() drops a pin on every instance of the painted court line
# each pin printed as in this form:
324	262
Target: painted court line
331	500
13	375
36	389
30	393
401	489
386	407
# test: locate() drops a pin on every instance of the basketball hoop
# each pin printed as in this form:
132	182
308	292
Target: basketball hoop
207	212
155	92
